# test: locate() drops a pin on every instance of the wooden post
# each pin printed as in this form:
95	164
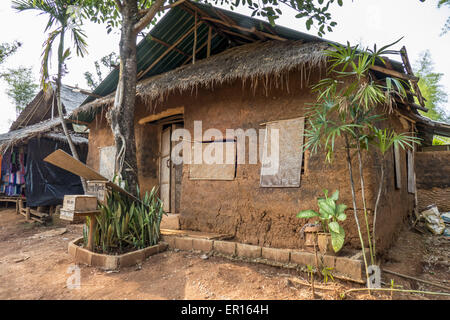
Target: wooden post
92	227
208	49
28	214
195	39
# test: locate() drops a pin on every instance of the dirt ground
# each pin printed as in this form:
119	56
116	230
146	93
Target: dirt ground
36	265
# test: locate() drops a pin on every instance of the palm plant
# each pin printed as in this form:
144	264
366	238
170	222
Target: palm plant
346	107
63	18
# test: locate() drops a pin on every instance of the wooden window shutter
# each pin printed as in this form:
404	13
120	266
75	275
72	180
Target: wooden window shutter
287	172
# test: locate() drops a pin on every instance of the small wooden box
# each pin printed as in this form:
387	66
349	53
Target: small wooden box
66	214
79	203
97	189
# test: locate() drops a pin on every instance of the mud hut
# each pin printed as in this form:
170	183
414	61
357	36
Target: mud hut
233	74
28	181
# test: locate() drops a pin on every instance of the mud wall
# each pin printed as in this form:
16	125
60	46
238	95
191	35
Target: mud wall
147	137
265	216
433	179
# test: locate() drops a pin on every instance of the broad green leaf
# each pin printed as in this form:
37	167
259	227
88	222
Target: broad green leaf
334	226
337	239
335	195
306	214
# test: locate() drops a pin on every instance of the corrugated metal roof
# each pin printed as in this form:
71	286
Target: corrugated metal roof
229	29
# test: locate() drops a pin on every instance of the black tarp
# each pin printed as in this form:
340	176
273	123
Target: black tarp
46	184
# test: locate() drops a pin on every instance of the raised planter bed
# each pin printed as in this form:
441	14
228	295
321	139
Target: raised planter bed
112	262
347	267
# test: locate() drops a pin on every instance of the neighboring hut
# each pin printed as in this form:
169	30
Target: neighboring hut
26	178
247	75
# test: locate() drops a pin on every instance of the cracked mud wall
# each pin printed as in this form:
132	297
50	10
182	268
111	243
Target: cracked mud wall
433	179
265	216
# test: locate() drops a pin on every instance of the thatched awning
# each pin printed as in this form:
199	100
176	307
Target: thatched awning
254	62
44	129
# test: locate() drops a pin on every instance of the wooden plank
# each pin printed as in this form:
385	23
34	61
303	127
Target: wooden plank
163	114
394	73
168	45
208	49
196	234
63	160
235	26
405	59
199	48
168	50
221	169
194	47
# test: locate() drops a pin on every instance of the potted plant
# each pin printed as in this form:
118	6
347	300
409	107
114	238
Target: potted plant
332	238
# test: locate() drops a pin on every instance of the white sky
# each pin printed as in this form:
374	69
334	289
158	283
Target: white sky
360	21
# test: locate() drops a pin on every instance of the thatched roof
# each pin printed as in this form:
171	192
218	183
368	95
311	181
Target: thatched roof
43	129
254	62
40	108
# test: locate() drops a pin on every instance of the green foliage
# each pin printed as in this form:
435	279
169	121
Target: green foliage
126	223
63	16
329	214
21	86
108	62
326	273
8	49
384	139
446	27
431	88
315	13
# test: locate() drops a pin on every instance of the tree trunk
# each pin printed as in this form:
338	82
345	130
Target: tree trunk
355	213
59	103
121	115
380	188
363	195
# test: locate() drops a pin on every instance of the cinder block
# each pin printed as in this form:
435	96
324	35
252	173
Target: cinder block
202	245
248	251
225	247
83	256
329	261
131	258
183	243
171	221
278	255
170	240
149	251
303	258
72	248
350	268
162	246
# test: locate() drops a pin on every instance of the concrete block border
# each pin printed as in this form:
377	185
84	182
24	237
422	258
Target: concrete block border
112	262
344	267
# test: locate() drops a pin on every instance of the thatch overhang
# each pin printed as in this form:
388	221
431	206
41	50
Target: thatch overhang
260	62
43	106
42	129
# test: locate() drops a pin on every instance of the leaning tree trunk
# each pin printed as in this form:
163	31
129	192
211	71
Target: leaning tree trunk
121	115
355	213
59	103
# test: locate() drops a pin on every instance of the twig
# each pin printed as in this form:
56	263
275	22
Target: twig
417	279
398	290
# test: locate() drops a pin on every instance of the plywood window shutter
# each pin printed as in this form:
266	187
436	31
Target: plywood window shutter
107	161
210	169
282	155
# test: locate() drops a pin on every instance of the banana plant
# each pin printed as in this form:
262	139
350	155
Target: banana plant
329	214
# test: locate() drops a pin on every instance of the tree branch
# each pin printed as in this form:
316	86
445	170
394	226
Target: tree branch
143	12
119	5
152	11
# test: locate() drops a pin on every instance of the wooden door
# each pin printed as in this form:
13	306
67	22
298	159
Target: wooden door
165	165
